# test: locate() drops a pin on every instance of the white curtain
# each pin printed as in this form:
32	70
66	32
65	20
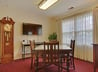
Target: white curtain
80	28
95	26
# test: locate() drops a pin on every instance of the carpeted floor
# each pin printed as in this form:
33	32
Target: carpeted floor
24	66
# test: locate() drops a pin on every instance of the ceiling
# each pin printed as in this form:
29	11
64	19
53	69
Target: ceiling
58	9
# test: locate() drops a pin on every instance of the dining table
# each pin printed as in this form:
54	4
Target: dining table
63	49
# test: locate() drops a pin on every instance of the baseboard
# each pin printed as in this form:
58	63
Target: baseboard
30	57
83	60
22	58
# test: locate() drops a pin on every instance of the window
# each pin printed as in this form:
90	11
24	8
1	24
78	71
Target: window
80	28
67	30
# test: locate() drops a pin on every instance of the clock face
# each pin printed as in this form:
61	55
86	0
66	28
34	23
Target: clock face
7	27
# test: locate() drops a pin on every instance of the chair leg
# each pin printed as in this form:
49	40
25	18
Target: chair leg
73	63
37	60
64	59
31	62
58	68
61	64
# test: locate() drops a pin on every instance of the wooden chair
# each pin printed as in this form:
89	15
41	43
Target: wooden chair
72	45
71	54
51	55
34	60
32	46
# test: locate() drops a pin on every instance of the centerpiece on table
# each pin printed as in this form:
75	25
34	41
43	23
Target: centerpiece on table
53	37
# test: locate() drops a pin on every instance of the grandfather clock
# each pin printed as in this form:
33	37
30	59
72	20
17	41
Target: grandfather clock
6	39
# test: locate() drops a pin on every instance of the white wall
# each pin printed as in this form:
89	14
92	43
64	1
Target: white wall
20	16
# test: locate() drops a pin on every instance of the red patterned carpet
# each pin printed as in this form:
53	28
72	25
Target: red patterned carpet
24	66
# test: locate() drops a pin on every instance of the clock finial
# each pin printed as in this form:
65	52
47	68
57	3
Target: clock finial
7	18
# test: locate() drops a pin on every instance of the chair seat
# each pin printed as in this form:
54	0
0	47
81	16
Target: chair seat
65	55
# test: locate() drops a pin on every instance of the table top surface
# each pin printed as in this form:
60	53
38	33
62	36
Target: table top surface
61	47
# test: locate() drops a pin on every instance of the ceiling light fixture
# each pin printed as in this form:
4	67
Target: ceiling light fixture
44	4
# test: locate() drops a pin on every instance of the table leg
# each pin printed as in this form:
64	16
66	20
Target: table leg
67	62
23	52
37	62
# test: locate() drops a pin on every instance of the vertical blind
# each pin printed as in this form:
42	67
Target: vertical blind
80	28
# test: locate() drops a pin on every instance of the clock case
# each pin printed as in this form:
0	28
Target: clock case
6	40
